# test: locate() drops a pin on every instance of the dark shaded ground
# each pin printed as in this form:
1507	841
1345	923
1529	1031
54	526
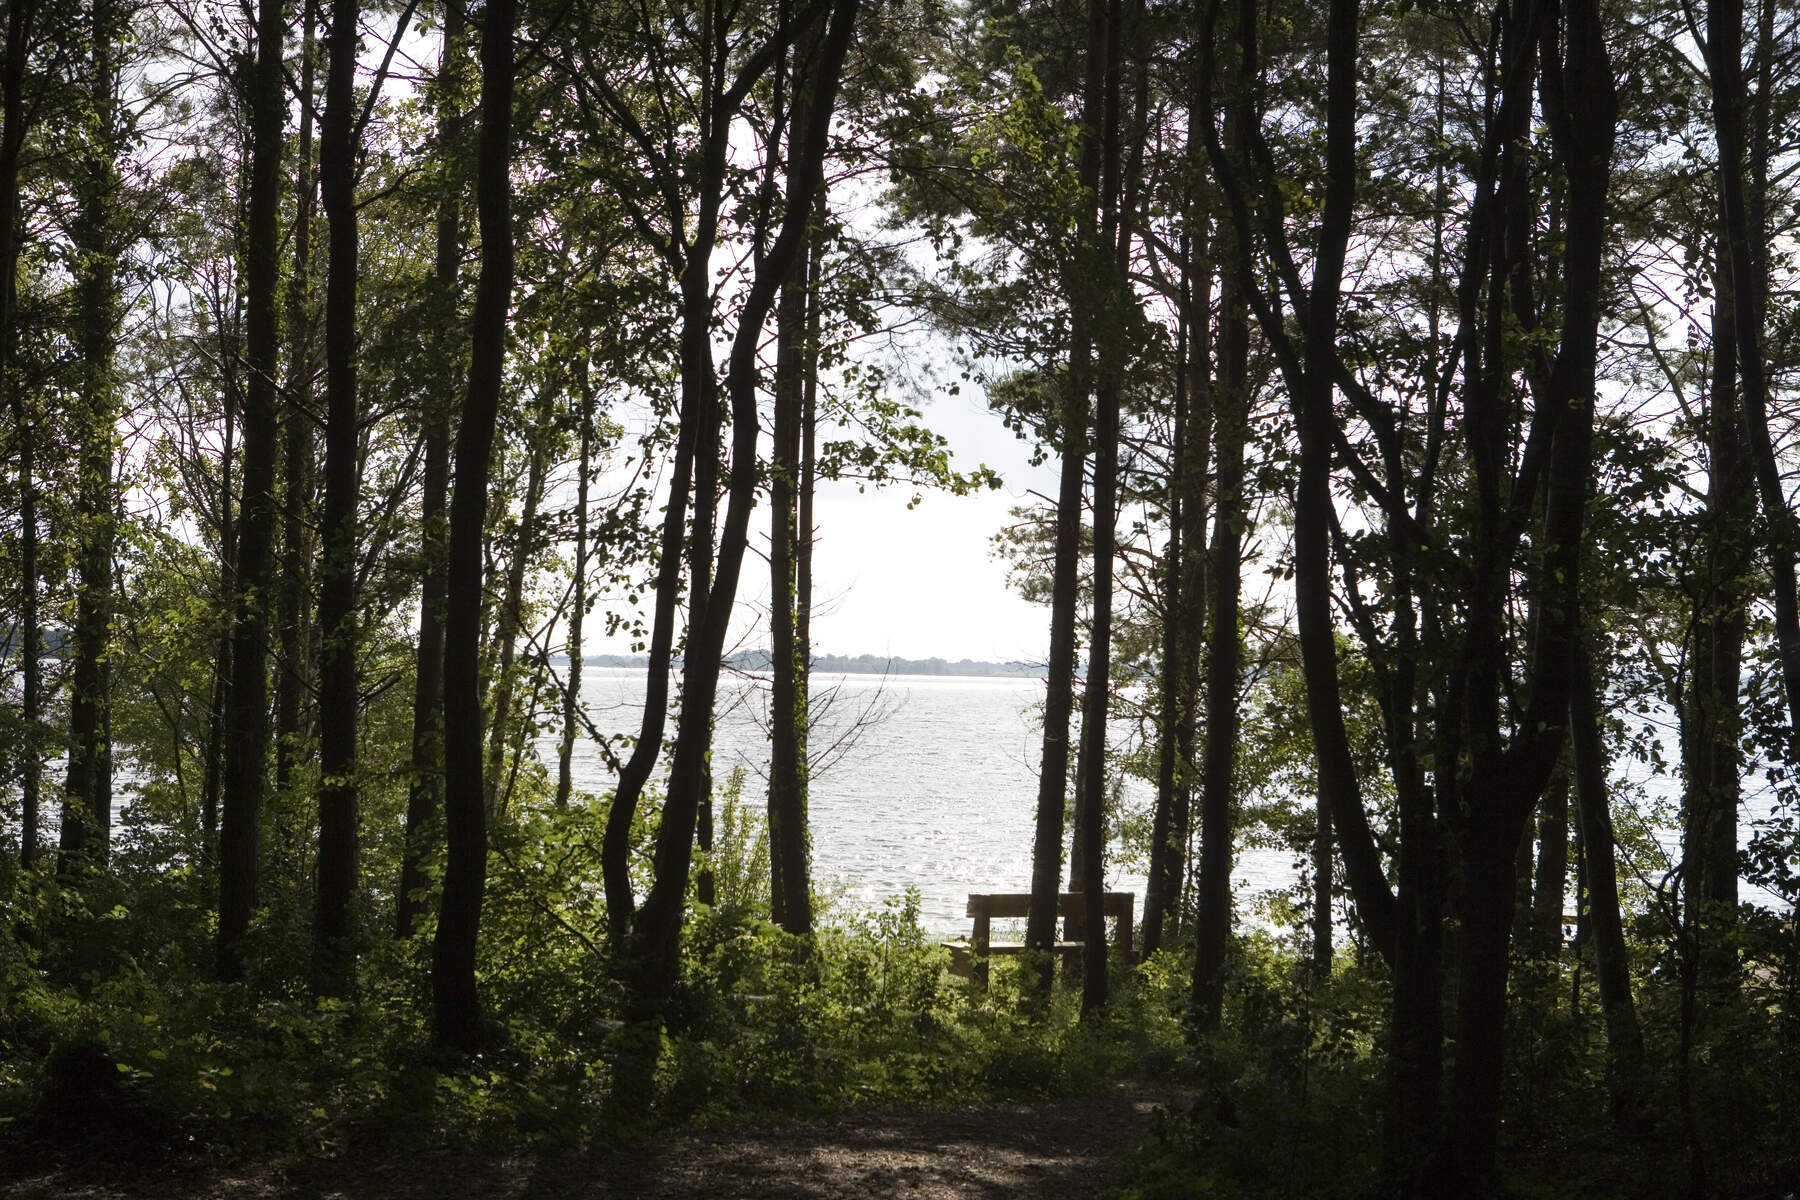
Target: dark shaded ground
1065	1149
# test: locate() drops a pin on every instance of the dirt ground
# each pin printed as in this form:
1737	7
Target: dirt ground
1065	1149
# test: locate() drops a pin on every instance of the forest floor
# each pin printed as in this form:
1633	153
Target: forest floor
1071	1148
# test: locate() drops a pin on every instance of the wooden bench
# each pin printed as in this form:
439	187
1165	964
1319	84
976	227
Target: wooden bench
970	959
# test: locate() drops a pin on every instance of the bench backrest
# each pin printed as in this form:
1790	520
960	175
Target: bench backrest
1068	904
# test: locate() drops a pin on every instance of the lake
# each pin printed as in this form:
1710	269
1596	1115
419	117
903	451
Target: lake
937	791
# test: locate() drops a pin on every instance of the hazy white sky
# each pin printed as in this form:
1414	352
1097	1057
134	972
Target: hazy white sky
925	582
912	583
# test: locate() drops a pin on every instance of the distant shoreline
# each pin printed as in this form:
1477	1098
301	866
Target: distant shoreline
842	664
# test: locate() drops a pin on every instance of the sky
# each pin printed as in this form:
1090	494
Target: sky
924	582
913	583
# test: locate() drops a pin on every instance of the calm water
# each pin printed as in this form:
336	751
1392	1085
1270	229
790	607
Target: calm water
935	792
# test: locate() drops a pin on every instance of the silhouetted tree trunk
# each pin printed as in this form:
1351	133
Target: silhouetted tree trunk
572	689
1612	964
424	796
1184	592
334	960
1505	786
456	1006
19	16
213	774
788	836
247	708
1213	872
651	958
511	614
1552	865
297	451
87	799
1748	283
1065	587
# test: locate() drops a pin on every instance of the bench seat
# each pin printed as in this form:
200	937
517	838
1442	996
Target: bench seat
970	959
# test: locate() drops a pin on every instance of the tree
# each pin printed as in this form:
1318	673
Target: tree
334	962
456	1006
87	796
247	721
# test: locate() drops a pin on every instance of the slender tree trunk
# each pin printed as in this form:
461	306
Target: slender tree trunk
1162	886
425	792
1552	866
334	956
87	802
572	690
297	451
1749	285
1323	928
1713	722
653	954
512	608
1231	425
1581	110
1065	588
1185	589
787	720
242	901
247	709
1612	963
19	16
456	1006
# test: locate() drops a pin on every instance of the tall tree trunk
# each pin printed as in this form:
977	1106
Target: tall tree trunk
788	834
1552	866
1162	886
1581	110
1748	281
1323	882
334	958
424	795
243	900
1065	587
247	709
1231	426
19	16
1612	963
297	436
511	615
456	1005
1712	724
1185	589
652	957
571	698
87	802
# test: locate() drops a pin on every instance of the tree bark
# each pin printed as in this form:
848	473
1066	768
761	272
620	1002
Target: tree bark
1749	285
1612	963
87	802
652	955
425	792
1213	872
1552	866
456	1005
297	452
1185	590
247	707
1581	110
334	959
572	689
788	835
511	615
1065	587
19	16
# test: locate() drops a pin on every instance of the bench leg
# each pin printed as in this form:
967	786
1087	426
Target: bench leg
978	975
